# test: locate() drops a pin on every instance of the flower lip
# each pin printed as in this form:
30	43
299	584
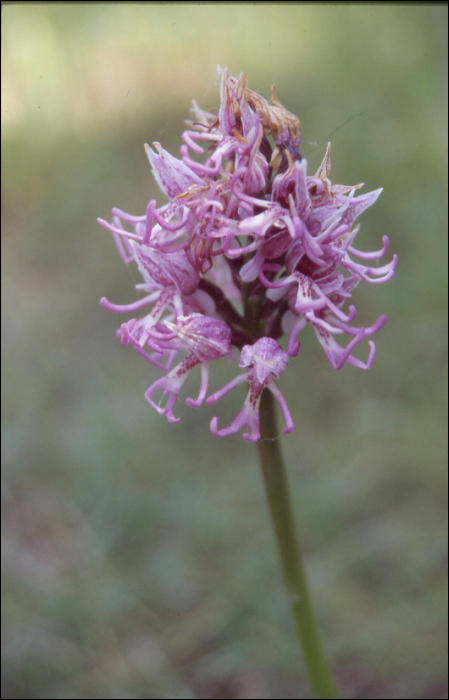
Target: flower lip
265	360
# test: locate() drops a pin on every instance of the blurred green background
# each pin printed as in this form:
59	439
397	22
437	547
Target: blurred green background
138	557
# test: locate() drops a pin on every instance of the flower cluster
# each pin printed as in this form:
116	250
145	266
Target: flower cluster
247	249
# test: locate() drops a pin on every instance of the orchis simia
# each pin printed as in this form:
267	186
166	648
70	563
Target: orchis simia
248	249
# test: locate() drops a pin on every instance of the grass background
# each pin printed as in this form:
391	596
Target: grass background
138	557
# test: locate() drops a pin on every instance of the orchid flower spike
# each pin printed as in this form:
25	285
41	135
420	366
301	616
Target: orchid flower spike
248	248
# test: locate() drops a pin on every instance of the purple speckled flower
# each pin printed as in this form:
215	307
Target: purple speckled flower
266	360
247	249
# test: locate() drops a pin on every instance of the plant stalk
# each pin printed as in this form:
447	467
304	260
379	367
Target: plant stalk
276	488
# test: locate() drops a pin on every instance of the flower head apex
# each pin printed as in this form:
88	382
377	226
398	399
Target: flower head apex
248	248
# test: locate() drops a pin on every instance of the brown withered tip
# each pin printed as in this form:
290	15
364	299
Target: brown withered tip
279	122
282	125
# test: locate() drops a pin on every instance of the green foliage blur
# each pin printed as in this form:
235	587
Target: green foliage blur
138	557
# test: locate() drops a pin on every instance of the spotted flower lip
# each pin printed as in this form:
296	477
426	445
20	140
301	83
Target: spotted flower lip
249	248
265	360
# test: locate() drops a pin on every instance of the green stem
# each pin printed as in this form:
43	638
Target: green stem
278	498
